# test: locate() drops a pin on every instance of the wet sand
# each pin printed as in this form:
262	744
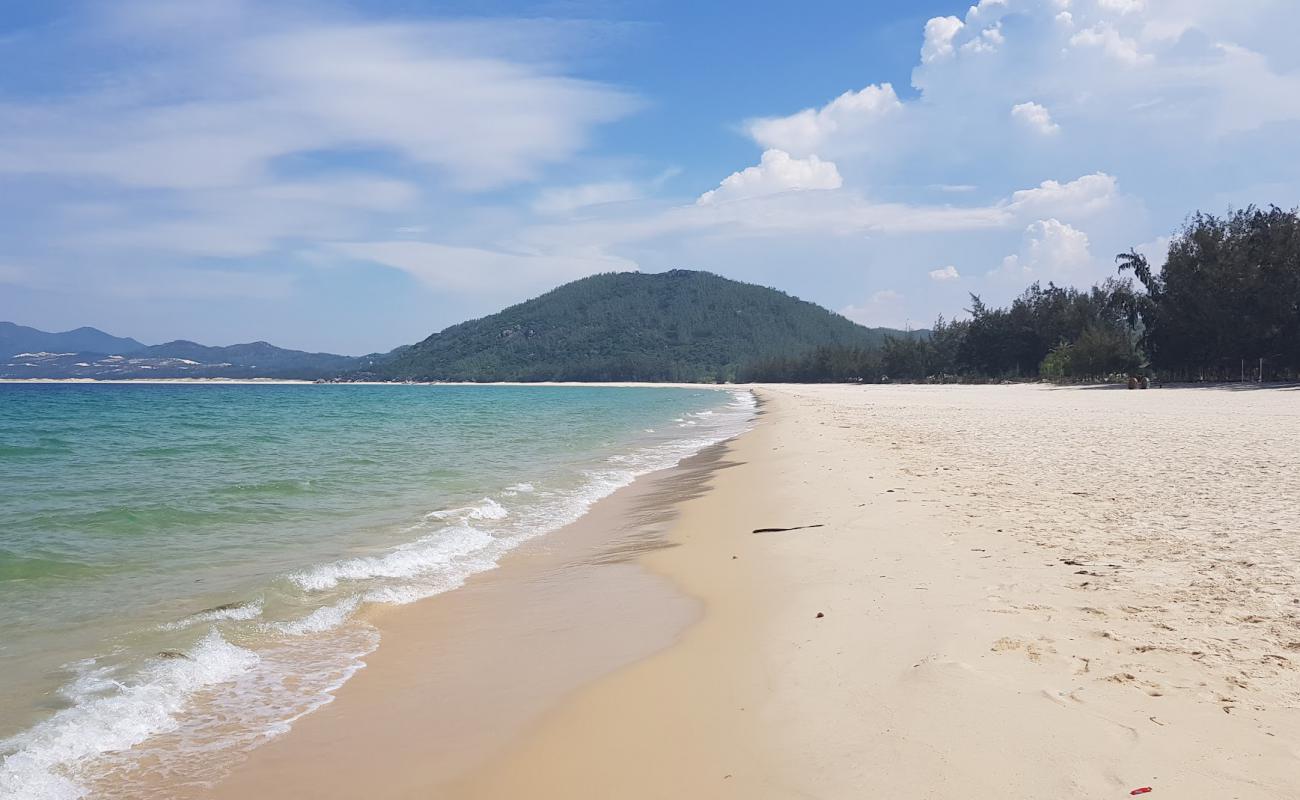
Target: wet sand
1015	591
458	674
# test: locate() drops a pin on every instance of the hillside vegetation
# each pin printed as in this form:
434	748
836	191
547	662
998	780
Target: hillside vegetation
673	326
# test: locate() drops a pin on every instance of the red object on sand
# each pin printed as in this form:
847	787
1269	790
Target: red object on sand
1143	790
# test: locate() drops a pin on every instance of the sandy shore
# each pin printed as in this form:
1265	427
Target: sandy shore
1010	592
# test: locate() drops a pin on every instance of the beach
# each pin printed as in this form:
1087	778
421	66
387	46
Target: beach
189	570
901	591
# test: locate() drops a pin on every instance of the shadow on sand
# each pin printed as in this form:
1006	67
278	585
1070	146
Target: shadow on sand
1219	387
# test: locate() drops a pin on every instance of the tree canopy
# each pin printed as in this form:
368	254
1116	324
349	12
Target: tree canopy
1225	303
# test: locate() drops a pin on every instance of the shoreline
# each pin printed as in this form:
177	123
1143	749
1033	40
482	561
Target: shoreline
970	647
440	681
959	605
276	657
293	382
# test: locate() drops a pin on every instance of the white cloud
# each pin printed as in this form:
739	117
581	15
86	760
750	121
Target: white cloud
985	10
1050	249
772	216
1156	250
480	270
1114	44
851	115
776	172
1035	117
989	40
203	130
245	222
1086	195
948	273
939	35
481	121
236	131
884	309
840	213
1122	6
561	200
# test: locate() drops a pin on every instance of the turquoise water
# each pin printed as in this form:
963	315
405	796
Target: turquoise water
181	565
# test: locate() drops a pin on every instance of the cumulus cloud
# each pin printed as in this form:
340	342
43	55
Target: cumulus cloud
1050	249
1086	195
1035	117
1182	71
204	134
1156	250
939	35
776	172
948	273
1110	41
988	41
849	116
1122	6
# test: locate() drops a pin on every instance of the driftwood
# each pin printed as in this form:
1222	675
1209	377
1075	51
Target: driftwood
780	530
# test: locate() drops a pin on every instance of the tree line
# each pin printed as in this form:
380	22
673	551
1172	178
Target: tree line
1225	305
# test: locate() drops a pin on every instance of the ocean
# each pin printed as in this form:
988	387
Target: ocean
182	566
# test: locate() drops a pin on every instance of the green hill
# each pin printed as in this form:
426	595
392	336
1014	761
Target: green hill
672	326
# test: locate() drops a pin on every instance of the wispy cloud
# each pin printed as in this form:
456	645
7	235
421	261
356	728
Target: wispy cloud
479	270
231	131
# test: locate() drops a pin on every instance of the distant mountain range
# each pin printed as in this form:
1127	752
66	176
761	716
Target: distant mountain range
680	325
91	353
15	339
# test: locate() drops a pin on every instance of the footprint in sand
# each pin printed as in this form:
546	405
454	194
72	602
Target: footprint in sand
1034	651
1129	679
1004	645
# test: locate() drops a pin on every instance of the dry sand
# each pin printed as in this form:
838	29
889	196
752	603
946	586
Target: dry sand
1026	592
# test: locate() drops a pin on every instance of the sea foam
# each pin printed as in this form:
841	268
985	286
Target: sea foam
487	508
43	760
436	551
323	619
235	612
320	649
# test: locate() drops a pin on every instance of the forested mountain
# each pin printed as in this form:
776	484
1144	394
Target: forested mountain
680	326
15	339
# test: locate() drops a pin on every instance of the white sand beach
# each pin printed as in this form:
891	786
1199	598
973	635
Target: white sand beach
985	592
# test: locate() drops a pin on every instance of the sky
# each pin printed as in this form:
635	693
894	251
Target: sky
352	176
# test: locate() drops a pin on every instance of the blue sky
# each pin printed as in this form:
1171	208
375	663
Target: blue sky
350	176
